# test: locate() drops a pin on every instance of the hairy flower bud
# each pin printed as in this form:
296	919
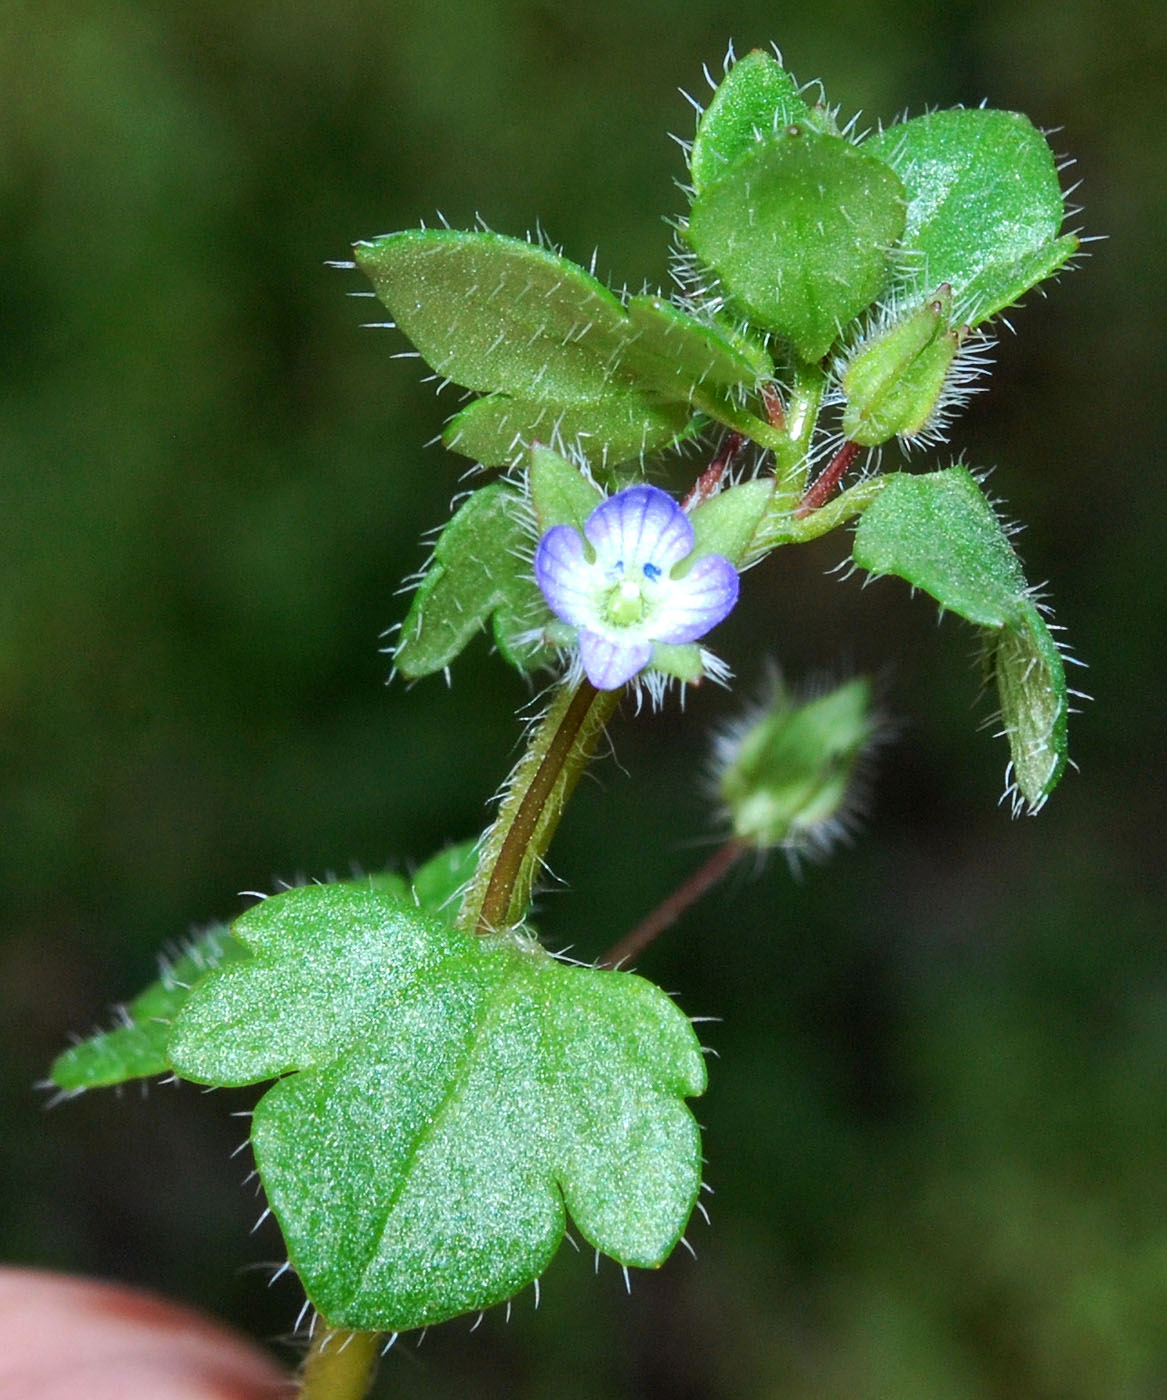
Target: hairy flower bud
788	772
896	378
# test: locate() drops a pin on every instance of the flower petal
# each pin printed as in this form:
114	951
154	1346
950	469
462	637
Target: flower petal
694	604
565	576
642	525
608	664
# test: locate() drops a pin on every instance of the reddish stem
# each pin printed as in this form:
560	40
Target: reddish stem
827	481
775	408
710	479
670	910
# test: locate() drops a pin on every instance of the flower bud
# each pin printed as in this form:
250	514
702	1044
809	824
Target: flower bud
787	774
896	377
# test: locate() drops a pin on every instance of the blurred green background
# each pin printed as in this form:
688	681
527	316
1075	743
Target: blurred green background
936	1130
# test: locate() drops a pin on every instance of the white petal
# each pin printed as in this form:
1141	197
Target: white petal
642	525
690	606
608	664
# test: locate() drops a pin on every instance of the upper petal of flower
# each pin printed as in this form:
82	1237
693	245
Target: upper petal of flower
690	606
642	525
565	576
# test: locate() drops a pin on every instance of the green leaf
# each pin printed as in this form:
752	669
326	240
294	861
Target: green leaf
681	660
560	493
939	533
799	228
442	877
1024	660
679	355
726	524
447	1099
136	1049
496	313
559	356
757	97
619	426
984	206
480	570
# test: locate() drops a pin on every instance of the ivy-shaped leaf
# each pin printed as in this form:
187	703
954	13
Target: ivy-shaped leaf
984	206
800	229
756	98
138	1047
481	571
939	533
446	1101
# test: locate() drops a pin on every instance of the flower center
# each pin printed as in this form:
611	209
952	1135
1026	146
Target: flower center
625	605
627	602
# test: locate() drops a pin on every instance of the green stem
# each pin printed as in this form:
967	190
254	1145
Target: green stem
559	749
340	1365
802	413
756	429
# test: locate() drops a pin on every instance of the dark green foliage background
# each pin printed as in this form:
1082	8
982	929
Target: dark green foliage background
937	1129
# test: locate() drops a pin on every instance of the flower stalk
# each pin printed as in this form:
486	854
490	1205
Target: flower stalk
512	852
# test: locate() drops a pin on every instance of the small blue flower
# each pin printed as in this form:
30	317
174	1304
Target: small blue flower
617	586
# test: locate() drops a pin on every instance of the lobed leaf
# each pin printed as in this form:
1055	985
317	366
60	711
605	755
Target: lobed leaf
481	572
137	1049
447	1100
984	206
800	229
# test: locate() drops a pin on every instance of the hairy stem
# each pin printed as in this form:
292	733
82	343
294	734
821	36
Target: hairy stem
666	914
339	1366
802	413
559	749
827	481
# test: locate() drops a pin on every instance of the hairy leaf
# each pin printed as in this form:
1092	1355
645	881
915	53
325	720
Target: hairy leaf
621	425
984	206
447	1100
491	312
1024	660
560	493
136	1049
481	571
939	533
756	99
800	229
676	353
559	355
